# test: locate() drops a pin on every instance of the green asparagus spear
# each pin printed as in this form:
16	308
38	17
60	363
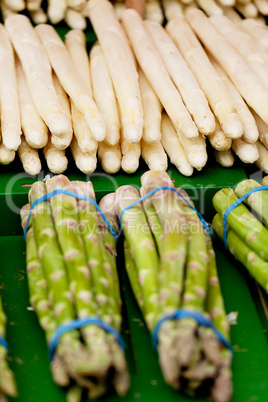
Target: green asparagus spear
133	274
153	220
7	381
39	296
258	201
244	223
170	211
256	266
70	349
143	249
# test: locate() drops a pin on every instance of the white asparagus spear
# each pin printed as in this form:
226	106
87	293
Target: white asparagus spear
39	16
153	11
130	155
119	6
64	141
218	139
29	158
72	83
257	31
6	156
224	158
207	77
173	147
183	78
104	94
234	65
250	133
37	70
248	153
76	4
248	10
262	161
110	157
172	9
86	163
121	65
262	6
75	41
245	45
6	11
210	7
154	156
227	3
262	129
232	14
157	76
195	150
152	110
55	158
56	10
33	5
82	133
33	127
74	19
9	98
15	5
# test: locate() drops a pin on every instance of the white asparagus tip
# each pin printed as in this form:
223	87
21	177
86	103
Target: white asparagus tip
198	159
97	127
207	125
57	164
59	124
185	170
6	156
132	133
87	164
129	164
189	130
112	134
35	137
32	166
153	135
12	140
233	127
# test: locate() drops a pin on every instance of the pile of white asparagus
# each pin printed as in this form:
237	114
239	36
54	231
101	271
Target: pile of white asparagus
158	10
73	12
143	91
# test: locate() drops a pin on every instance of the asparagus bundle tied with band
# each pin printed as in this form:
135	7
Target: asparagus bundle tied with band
7	381
172	271
246	231
70	277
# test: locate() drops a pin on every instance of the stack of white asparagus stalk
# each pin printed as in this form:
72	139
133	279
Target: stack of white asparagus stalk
143	90
158	10
73	12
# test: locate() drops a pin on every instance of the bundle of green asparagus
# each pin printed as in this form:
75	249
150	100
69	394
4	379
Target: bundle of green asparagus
171	267
246	232
7	381
71	274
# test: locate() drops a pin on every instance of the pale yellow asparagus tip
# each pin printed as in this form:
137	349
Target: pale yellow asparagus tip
6	156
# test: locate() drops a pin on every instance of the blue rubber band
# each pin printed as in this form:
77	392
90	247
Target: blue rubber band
201	320
72	194
3	342
233	206
77	324
204	223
